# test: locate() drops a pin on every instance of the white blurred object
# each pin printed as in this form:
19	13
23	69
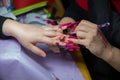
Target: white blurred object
10	15
35	18
5	13
3	10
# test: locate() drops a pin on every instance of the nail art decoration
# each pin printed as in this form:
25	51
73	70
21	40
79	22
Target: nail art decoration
70	27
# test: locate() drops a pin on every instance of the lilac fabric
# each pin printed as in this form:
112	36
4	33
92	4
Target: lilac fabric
17	63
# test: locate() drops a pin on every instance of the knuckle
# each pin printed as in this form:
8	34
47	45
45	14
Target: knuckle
95	32
83	21
87	44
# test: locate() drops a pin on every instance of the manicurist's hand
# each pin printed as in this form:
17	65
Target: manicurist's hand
90	36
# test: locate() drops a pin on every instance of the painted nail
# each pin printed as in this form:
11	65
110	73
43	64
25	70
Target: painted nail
57	43
69	41
74	37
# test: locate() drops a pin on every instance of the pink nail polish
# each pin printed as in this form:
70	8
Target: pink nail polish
74	37
69	41
62	38
57	43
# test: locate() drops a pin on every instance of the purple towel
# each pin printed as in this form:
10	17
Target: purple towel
17	63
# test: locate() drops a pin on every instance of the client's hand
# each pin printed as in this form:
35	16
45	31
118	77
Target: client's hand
29	35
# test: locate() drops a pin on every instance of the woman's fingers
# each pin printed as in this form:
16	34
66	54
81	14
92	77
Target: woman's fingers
51	28
51	41
81	35
35	49
87	23
85	26
51	33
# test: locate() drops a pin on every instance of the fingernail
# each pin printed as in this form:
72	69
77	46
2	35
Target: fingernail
62	38
69	41
74	37
43	55
56	43
71	49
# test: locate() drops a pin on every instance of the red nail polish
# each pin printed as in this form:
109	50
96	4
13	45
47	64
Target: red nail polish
71	49
74	37
69	41
62	38
57	43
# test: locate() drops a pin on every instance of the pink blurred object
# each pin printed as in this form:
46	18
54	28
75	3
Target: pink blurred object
72	47
70	27
69	24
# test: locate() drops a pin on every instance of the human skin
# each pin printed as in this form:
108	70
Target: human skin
90	36
29	35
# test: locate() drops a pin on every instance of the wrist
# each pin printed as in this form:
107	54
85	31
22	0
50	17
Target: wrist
113	57
11	28
107	53
2	21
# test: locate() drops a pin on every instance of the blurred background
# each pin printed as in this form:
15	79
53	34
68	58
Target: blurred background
54	8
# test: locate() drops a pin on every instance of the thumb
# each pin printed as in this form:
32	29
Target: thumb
36	50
